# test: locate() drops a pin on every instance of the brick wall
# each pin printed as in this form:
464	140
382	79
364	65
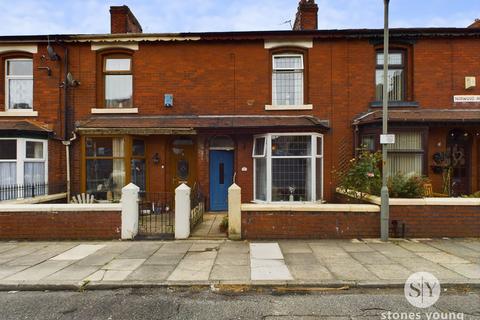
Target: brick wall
420	222
438	221
73	225
309	225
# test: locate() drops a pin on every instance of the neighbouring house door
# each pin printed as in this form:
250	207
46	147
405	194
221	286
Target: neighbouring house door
182	162
221	178
458	153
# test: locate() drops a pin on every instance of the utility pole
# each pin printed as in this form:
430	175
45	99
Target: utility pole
384	210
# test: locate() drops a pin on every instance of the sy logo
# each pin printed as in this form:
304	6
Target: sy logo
422	289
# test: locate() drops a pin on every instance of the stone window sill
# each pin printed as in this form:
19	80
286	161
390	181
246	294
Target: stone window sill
288	107
113	110
18	113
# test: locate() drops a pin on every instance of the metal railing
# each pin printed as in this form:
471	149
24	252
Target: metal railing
197	206
156	215
23	191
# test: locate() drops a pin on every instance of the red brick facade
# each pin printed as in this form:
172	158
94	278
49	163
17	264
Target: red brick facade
230	74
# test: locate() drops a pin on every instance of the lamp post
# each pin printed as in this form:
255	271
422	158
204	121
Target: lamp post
384	210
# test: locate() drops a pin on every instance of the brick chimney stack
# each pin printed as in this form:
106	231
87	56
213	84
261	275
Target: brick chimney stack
475	24
307	16
122	20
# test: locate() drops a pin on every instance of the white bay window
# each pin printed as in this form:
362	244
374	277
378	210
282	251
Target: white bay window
288	167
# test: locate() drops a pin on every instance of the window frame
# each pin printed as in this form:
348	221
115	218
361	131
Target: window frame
376	131
8	77
21	157
101	75
289	51
313	163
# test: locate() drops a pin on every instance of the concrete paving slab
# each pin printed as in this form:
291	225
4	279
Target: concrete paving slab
142	250
470	270
39	271
7	246
235	247
96	276
195	266
294	247
204	246
265	251
471	244
230	272
115	275
164	259
116	247
99	258
232	259
312	272
455	249
389	271
73	273
151	273
349	270
124	264
300	259
332	251
441	257
6	271
371	258
264	269
40	255
175	247
21	250
391	250
417	247
350	246
418	264
78	252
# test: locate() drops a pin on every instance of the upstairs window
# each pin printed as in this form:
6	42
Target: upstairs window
118	81
396	76
287	80
19	84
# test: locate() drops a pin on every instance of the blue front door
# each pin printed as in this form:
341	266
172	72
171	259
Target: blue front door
221	178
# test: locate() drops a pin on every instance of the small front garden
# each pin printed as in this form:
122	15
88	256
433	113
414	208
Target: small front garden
363	177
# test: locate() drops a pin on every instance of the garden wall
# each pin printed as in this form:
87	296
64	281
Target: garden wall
60	222
322	221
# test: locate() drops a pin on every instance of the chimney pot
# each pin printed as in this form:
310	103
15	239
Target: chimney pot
307	16
122	20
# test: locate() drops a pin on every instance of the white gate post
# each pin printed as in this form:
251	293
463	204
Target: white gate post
129	211
234	212
182	212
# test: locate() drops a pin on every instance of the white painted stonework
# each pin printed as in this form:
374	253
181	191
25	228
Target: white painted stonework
130	211
234	212
271	44
102	46
30	48
182	212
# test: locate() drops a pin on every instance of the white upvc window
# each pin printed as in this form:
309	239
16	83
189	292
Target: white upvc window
288	167
23	161
287	80
19	84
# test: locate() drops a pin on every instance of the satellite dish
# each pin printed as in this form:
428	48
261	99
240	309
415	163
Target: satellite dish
52	54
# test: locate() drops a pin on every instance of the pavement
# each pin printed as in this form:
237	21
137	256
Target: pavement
367	263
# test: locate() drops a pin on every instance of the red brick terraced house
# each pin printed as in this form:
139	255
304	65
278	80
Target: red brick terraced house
278	112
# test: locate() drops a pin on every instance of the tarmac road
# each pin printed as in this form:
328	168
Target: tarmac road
159	303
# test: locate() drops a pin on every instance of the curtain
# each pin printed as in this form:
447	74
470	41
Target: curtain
34	173
20	93
118	91
8	172
261	179
118	173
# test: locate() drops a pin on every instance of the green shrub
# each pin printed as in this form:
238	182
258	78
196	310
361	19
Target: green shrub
224	224
473	195
402	186
363	175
